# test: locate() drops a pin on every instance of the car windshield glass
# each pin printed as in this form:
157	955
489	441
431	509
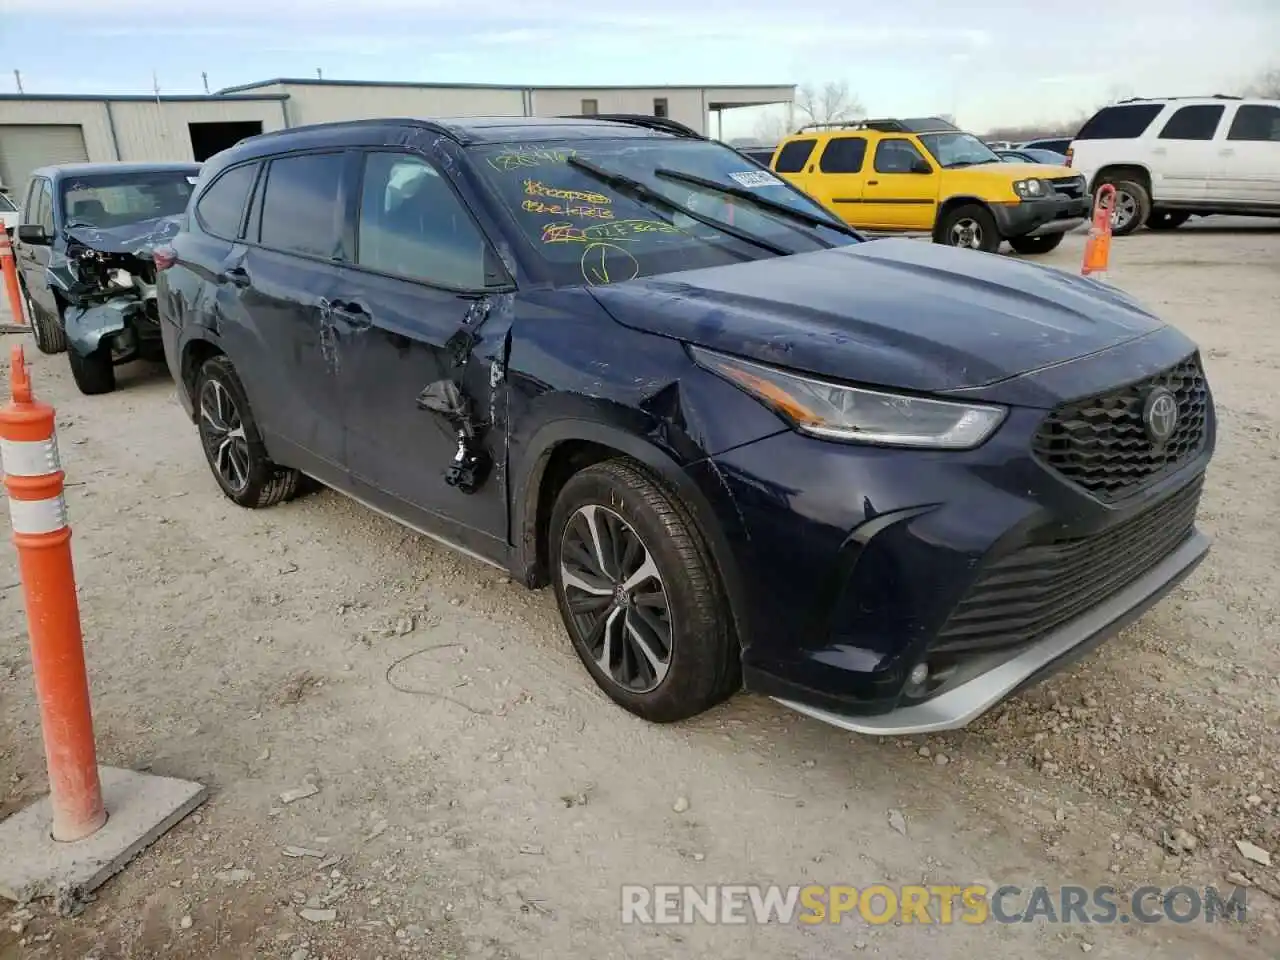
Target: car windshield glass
6	205
588	231
114	199
957	149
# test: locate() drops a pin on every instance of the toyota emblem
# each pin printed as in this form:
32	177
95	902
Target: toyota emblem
1160	415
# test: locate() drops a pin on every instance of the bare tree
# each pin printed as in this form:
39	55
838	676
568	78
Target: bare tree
771	129
1267	85
830	103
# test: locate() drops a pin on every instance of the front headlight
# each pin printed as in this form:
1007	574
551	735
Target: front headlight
1031	189
838	412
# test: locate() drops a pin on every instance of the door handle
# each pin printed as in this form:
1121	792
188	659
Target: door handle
873	183
1226	152
352	313
1159	151
237	276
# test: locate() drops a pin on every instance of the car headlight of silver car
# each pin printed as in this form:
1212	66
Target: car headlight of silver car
1031	189
835	411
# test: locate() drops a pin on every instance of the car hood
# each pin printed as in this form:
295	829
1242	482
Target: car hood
136	238
894	313
1019	171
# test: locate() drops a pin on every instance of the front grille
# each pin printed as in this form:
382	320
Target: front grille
1072	187
1038	588
1101	443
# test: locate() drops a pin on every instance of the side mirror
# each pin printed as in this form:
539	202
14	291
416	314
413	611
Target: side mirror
33	233
920	166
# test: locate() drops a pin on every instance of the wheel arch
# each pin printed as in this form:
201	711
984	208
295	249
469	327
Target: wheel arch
195	352
1113	170
953	202
560	449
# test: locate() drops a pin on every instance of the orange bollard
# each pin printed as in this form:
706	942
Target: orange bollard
9	267
1097	249
33	478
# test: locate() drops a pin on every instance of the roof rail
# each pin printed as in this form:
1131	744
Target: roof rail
886	125
664	124
1206	96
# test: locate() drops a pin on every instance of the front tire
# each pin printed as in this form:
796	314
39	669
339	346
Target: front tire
1133	206
1167	219
1031	246
47	328
970	226
232	443
94	374
638	595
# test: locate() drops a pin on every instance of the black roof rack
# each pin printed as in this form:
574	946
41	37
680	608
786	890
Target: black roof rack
886	125
1207	96
663	124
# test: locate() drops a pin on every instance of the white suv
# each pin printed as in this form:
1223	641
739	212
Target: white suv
1170	159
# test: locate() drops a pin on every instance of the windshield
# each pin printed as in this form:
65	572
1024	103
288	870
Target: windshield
589	231
6	205
116	199
958	149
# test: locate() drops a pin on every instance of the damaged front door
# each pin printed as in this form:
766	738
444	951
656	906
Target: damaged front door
419	307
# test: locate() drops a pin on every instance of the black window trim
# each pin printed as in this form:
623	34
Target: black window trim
352	216
1235	115
866	146
258	198
810	139
248	200
921	151
1220	108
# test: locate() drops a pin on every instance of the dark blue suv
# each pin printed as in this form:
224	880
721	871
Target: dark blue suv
887	483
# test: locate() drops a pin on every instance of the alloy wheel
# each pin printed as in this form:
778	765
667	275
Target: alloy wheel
223	436
967	233
616	598
1126	208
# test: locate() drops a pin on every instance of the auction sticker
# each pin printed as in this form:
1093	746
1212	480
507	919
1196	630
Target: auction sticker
756	178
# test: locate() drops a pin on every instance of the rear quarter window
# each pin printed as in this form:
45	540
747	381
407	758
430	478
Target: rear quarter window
1256	122
220	209
794	155
1120	122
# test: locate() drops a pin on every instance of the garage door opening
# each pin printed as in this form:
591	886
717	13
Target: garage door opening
210	138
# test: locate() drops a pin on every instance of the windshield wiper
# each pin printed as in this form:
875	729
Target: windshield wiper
743	193
645	192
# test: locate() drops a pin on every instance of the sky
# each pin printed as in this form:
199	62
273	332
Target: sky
989	62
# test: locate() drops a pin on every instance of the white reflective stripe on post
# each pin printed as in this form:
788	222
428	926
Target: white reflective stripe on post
30	458
38	516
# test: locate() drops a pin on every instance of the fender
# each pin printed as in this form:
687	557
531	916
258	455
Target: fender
718	528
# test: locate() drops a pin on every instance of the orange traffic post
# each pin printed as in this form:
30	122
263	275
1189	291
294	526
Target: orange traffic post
9	267
33	479
1097	249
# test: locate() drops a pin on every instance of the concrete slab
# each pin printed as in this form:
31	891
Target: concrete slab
141	807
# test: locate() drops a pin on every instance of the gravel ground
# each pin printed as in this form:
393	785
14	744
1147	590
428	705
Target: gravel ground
475	796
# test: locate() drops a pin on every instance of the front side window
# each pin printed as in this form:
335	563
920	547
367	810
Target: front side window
44	207
1196	122
794	155
413	225
300	211
843	155
590	231
106	200
954	150
899	156
1256	122
220	209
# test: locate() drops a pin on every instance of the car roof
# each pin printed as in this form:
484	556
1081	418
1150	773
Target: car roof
62	170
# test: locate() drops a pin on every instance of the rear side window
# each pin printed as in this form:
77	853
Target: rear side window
300	206
1120	122
220	209
413	225
1196	122
793	156
843	155
1256	122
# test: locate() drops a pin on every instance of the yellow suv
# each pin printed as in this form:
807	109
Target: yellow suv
927	175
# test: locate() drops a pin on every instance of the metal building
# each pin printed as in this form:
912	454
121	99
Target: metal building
39	129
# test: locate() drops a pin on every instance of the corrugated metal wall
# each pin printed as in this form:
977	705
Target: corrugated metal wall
684	106
151	131
321	104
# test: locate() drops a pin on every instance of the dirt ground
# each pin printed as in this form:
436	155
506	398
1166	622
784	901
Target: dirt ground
477	797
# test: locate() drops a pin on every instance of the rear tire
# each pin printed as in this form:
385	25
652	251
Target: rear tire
970	226
1133	206
662	648
1167	219
95	373
47	329
1030	246
232	442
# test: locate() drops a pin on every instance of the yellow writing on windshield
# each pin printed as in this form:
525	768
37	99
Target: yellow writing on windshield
567	210
520	156
617	230
608	263
536	188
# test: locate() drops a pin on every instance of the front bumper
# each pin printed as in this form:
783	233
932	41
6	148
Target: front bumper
1036	218
998	675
